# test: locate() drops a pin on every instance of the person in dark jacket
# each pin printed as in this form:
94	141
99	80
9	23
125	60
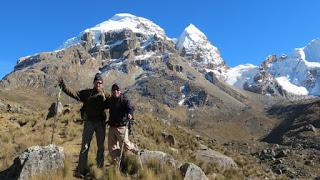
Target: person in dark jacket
120	112
94	116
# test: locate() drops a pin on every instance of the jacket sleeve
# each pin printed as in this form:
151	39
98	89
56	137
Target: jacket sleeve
74	94
129	106
107	102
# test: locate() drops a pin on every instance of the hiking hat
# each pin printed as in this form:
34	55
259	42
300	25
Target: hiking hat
114	87
98	77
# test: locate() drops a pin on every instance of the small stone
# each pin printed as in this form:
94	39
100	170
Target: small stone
278	171
282	153
310	127
278	161
265	151
198	137
309	163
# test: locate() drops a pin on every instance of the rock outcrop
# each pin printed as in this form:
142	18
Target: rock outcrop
35	160
222	161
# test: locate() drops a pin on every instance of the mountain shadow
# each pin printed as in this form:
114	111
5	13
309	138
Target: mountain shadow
296	118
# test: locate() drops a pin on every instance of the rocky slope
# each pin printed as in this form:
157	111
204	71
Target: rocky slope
136	53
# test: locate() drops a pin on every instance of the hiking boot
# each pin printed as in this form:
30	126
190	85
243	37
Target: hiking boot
100	165
81	175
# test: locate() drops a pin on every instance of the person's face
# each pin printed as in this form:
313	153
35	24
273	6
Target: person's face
116	92
98	85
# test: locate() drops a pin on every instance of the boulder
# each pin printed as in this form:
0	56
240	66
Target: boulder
161	157
35	160
192	172
222	161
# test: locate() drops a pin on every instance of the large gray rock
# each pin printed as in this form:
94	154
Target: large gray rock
192	172
209	155
35	160
161	157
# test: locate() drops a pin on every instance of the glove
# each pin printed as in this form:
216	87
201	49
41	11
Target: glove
61	82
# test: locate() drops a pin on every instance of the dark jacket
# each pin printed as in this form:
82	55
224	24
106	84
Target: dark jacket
93	103
119	108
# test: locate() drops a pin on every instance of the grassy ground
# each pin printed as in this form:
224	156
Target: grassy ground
20	131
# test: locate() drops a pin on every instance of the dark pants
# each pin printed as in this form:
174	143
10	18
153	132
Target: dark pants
89	128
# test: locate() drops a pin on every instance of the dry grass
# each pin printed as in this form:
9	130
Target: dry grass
37	131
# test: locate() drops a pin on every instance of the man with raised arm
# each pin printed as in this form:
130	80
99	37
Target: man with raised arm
94	116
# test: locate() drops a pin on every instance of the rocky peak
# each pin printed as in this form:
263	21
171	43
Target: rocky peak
268	62
195	46
189	38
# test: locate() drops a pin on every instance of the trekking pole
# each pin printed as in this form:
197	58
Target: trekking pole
55	118
135	142
121	152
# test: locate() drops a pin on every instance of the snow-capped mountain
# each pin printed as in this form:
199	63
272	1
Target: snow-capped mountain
126	40
296	74
194	45
135	53
119	22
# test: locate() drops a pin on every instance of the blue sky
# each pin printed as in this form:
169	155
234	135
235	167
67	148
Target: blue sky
244	31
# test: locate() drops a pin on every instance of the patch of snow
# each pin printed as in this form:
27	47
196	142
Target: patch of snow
147	43
288	86
144	56
184	90
312	64
238	75
115	43
114	64
70	42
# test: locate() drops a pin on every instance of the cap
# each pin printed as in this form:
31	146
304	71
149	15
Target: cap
115	87
98	77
